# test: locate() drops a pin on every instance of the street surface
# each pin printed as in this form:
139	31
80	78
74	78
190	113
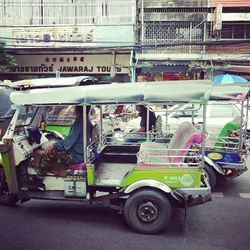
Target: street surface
223	223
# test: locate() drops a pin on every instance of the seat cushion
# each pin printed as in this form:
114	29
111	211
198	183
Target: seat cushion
230	126
157	154
77	166
152	154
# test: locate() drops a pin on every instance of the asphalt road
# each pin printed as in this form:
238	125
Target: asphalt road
223	223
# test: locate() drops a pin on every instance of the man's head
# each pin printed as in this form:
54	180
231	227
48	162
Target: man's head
79	110
140	108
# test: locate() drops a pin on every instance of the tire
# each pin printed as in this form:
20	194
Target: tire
212	178
147	211
6	198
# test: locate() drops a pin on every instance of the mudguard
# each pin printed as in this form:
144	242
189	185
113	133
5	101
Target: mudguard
214	165
148	183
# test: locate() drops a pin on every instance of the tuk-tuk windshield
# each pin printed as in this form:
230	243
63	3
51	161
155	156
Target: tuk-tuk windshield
26	115
60	115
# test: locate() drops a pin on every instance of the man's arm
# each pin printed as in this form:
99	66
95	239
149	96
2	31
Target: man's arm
141	129
71	138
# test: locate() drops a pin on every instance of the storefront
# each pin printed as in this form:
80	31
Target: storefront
69	51
166	71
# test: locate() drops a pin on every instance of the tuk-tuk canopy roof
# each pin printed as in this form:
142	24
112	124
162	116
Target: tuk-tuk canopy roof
230	92
190	91
52	82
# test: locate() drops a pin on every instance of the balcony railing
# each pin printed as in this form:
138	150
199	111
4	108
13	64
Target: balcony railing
161	37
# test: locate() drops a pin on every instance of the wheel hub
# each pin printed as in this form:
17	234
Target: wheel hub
147	212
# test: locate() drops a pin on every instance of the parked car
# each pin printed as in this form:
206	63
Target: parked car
217	115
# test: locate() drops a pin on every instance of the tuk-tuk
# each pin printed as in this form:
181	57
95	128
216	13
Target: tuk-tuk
144	181
227	133
227	149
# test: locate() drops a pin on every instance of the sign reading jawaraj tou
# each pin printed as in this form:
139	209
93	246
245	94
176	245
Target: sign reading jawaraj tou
70	64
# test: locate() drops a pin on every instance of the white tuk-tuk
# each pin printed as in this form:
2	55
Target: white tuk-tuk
145	181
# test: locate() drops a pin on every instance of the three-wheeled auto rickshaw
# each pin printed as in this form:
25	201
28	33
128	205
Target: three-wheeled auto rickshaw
144	181
227	149
227	138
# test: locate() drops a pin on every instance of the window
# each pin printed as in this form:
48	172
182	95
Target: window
238	31
235	31
60	115
227	31
247	31
169	31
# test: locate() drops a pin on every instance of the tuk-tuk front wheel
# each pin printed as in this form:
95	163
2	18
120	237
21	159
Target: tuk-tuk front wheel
147	211
5	197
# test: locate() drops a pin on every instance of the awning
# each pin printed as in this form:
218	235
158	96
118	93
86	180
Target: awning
164	66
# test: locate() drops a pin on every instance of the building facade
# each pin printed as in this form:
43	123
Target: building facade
193	38
126	40
233	38
69	37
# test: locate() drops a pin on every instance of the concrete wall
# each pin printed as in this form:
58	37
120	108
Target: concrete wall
230	3
238	48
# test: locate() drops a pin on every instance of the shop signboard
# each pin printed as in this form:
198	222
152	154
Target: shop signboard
70	36
70	64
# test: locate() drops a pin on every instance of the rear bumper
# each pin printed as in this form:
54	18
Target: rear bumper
235	166
203	191
198	200
234	174
195	196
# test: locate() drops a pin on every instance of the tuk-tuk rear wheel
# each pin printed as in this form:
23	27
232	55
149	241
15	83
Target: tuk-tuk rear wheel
212	178
5	197
147	211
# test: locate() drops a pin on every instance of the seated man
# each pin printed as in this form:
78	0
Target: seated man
143	114
144	126
56	157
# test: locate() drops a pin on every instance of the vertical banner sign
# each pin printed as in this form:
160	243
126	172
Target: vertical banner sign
217	20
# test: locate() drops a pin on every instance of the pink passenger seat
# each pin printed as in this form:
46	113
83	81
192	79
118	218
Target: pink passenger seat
157	154
77	166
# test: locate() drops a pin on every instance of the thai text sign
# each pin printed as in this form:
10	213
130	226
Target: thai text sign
56	36
70	64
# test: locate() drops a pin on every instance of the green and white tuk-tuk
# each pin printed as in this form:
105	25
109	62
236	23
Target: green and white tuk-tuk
144	181
227	143
227	149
